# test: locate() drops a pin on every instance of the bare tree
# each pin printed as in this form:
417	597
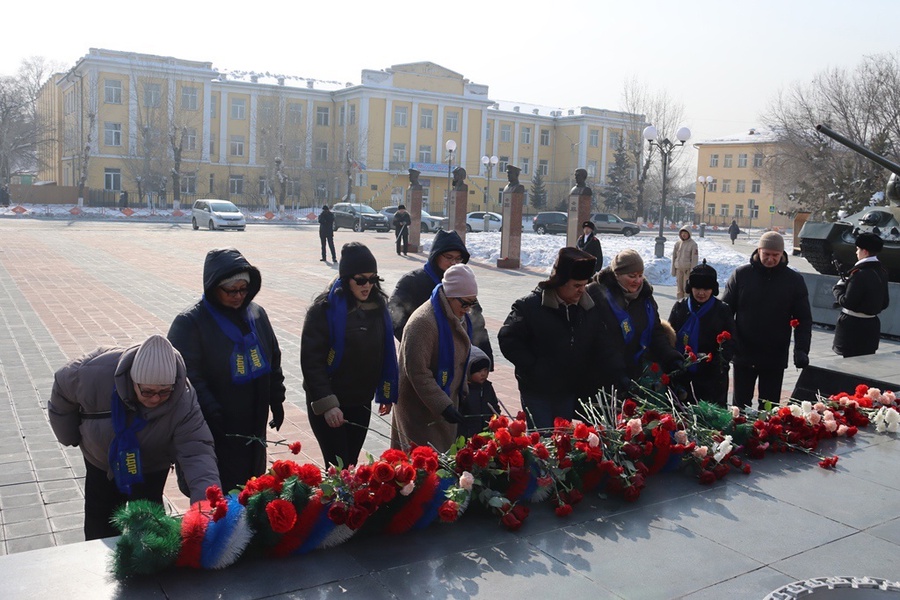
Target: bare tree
864	105
656	107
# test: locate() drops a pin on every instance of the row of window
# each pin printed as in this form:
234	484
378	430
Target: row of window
728	160
113	182
740	186
738	211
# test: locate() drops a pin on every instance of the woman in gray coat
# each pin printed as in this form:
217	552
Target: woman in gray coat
133	413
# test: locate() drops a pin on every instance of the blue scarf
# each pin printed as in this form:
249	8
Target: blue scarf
336	313
125	450
627	326
248	361
429	268
689	334
444	375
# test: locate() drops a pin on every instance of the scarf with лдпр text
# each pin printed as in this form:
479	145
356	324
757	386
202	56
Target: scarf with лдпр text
336	313
248	361
446	352
689	334
627	327
125	450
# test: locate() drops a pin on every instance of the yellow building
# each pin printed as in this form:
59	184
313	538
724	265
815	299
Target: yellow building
126	118
740	189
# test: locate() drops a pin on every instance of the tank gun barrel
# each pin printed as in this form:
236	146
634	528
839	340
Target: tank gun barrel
876	158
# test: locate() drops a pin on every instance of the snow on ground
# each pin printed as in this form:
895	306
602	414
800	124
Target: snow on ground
539	252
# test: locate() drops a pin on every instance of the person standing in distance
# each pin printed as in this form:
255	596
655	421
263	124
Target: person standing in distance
326	232
589	243
402	222
769	301
861	297
684	258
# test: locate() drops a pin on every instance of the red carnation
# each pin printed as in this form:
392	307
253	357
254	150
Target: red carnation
283	468
521	511
363	473
563	510
338	513
394	456
214	494
795	323
482	458
310	475
631	493
404	473
295	447
654	367
504	438
449	511
510	521
723	337
517	428
516	459
498	422
629	408
581	431
707	477
540	450
385	494
282	515
221	511
382	472
664	379
465	458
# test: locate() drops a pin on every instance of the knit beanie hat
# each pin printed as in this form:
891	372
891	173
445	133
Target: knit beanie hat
154	362
356	258
703	277
570	263
771	240
459	282
242	276
627	261
869	241
478	360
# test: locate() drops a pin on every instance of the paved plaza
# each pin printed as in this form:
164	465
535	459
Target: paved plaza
69	287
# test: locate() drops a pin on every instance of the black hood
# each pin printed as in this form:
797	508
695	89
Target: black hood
222	263
445	241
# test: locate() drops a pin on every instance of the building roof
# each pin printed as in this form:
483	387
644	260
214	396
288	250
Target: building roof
751	136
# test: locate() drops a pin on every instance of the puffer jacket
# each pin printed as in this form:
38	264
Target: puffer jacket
415	287
417	414
685	253
764	301
622	359
230	408
79	412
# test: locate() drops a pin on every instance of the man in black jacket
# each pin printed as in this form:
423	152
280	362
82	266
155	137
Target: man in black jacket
768	300
415	287
402	222
326	232
861	297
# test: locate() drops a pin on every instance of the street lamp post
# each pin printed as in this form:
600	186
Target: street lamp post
451	148
704	181
665	149
489	163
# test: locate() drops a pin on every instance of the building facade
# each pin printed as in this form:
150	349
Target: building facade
149	124
740	189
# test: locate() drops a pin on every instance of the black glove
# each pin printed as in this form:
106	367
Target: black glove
801	359
216	422
674	365
277	416
451	415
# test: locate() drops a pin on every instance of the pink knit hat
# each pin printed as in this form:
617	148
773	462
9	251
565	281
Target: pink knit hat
459	282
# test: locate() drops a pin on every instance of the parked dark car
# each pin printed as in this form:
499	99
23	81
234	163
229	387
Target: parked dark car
550	222
347	215
609	223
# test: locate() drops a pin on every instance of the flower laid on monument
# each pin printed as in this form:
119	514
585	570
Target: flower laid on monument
615	448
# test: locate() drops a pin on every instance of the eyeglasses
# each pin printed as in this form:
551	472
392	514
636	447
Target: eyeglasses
467	303
163	394
360	280
235	292
454	257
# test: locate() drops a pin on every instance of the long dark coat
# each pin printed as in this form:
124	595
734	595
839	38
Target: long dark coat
230	408
866	292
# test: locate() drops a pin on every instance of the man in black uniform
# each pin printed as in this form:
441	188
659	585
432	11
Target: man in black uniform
861	297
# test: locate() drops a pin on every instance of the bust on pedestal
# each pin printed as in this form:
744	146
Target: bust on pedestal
511	229
459	202
414	204
579	206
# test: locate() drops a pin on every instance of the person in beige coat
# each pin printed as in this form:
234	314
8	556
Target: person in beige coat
433	357
684	258
132	412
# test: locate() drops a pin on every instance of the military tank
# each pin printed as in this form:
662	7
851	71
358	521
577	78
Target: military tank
831	247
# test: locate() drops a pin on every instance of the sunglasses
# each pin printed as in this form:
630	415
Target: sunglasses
360	280
466	303
236	292
163	394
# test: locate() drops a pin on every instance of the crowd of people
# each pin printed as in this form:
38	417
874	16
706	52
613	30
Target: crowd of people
202	397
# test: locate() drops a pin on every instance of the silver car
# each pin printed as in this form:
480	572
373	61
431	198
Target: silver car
217	214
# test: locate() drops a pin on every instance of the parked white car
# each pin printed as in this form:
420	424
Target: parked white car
475	221
217	214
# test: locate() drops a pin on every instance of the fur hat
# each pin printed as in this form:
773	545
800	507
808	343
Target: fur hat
459	282
570	263
478	360
356	258
771	240
154	362
589	224
703	277
401	207
627	261
870	242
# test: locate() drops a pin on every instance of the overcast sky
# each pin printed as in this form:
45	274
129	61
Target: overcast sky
723	60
